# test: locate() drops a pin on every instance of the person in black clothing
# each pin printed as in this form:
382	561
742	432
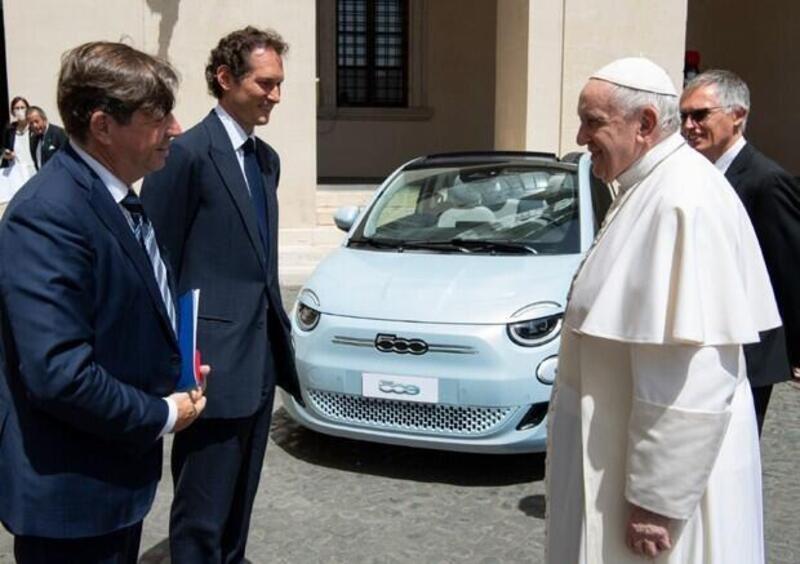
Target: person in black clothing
714	110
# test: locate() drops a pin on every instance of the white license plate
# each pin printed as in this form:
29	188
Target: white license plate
403	388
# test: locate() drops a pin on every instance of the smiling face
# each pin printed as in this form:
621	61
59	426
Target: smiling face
37	122
708	127
140	146
610	135
250	100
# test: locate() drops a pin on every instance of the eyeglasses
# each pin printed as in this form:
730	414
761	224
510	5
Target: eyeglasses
699	116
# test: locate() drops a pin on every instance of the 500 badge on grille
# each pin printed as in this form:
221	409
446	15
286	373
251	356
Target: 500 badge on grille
392	343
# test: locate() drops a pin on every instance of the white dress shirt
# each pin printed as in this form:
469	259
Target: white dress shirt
237	135
724	162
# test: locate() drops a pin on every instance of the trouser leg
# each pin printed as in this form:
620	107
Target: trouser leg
119	547
234	538
206	459
761	397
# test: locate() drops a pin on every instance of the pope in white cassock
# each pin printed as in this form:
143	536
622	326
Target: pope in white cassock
653	445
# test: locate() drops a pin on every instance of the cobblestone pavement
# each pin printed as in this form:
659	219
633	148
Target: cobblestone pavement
330	500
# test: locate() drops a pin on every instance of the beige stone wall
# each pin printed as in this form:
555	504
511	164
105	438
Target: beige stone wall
758	41
39	31
455	106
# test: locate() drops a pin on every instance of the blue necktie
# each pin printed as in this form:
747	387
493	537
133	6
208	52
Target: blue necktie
145	234
256	184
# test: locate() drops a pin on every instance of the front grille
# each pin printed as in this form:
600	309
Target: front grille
435	419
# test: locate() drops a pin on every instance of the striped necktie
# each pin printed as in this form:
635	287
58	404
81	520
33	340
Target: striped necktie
145	234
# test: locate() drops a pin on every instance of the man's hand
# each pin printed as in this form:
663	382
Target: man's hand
647	533
190	404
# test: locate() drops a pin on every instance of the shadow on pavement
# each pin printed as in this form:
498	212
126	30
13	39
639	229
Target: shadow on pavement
533	506
421	465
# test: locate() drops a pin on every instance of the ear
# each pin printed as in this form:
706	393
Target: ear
225	77
739	114
100	127
648	119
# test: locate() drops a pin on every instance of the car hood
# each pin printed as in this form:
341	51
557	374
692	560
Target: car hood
438	287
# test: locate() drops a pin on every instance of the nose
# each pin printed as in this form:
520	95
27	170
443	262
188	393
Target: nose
274	95
174	128
582	138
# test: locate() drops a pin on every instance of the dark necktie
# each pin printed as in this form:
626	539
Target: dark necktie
143	230
256	184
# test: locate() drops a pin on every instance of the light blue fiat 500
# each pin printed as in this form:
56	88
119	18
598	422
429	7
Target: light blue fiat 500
436	324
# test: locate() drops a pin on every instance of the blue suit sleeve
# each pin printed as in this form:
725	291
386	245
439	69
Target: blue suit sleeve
48	285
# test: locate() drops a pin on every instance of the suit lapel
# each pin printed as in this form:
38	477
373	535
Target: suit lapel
224	158
739	166
110	215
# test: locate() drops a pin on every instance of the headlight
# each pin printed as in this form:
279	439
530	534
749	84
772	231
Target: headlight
535	332
307	317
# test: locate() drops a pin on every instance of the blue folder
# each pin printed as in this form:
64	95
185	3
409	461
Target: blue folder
188	304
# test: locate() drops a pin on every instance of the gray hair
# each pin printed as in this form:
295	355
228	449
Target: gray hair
35	110
631	101
731	90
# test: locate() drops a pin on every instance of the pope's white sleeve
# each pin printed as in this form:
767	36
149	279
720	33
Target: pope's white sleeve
680	411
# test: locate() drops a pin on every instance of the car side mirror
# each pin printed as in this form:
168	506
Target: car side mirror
346	216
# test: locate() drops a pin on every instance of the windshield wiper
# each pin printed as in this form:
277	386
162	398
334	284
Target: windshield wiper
469	246
431	246
375	243
494	246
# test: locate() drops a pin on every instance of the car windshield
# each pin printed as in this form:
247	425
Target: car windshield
480	208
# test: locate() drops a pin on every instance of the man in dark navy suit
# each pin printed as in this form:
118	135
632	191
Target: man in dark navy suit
89	358
215	209
714	110
46	137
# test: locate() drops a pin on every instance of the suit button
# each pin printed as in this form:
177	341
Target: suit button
175	360
260	324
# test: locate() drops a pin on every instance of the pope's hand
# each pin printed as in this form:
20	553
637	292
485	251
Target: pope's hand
647	533
190	404
796	373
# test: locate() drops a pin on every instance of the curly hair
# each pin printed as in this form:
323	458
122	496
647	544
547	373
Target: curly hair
233	51
114	78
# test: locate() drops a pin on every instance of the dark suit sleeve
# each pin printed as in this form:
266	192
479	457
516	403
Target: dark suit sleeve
776	219
59	138
50	306
170	197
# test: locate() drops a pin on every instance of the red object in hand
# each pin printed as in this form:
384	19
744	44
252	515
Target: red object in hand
198	376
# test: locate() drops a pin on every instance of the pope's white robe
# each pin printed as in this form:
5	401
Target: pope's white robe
651	405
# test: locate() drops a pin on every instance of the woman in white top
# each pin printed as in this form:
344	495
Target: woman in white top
17	162
17	158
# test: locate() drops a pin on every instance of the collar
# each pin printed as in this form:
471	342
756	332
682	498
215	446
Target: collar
650	160
724	162
235	132
116	186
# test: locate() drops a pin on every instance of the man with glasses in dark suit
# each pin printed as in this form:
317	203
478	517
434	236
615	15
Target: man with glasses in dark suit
89	359
714	109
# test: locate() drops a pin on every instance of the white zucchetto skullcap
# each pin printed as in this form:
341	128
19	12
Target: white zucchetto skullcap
637	73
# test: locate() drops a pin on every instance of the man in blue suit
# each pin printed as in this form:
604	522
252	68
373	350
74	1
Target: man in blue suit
88	357
215	209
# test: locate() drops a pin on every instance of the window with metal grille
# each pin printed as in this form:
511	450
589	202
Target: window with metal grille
372	53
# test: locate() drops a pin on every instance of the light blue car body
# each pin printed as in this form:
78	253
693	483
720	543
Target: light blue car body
459	305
